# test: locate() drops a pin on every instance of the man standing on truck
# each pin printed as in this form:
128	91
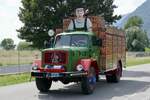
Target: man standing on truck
80	23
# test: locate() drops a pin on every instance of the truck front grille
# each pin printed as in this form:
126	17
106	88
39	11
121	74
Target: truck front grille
55	57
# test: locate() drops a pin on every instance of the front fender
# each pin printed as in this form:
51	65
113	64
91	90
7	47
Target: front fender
37	63
87	63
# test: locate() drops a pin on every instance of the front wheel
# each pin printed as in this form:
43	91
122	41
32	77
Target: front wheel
43	84
88	82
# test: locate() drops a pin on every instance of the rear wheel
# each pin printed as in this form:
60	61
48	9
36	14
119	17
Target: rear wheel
43	84
115	77
97	78
88	82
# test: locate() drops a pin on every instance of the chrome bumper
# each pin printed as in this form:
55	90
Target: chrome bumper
61	74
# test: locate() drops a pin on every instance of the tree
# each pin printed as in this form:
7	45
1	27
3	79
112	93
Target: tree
7	44
39	16
24	46
134	21
136	37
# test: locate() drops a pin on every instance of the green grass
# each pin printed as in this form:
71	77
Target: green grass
14	79
131	61
13	57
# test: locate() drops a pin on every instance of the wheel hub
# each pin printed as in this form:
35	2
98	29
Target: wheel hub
92	80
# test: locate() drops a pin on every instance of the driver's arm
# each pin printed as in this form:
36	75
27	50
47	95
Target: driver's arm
70	27
89	25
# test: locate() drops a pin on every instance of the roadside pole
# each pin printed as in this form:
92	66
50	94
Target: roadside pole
19	61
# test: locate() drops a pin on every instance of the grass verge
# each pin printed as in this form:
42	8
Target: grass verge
131	61
14	79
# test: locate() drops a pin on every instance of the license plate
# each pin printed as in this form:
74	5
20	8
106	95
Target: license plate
53	75
57	67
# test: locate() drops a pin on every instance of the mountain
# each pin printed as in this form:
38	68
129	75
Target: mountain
144	12
120	23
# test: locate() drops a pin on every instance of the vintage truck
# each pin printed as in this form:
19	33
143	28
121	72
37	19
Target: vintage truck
82	57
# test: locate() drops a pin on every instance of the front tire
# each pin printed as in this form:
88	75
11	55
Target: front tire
43	84
88	82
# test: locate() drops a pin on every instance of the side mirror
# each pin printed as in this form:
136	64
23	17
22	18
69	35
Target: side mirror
99	42
46	44
49	43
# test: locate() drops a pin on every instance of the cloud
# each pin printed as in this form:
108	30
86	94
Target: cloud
10	3
3	14
9	20
127	6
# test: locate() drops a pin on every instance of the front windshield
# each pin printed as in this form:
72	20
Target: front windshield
71	40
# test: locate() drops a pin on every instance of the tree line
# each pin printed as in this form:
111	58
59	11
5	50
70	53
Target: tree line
8	44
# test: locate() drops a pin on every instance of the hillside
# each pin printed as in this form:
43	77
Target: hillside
144	12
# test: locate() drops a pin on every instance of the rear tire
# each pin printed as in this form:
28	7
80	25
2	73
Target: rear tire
115	78
112	78
43	84
97	78
109	78
88	82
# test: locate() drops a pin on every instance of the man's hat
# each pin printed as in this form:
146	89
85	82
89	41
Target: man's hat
81	6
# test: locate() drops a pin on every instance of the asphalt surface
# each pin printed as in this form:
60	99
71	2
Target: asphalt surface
135	85
15	69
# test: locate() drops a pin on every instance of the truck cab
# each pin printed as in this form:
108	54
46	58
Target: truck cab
70	60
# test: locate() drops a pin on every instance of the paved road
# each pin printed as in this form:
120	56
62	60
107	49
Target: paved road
135	85
15	69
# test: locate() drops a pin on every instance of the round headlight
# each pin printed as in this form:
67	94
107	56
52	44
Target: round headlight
46	66
79	68
34	67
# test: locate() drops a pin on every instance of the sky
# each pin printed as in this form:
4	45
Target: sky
9	20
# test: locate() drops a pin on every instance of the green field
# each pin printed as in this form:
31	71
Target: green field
131	61
14	57
14	79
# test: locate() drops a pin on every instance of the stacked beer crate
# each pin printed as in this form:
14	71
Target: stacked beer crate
66	23
113	44
58	30
118	45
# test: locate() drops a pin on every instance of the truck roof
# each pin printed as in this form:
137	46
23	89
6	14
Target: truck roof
77	32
